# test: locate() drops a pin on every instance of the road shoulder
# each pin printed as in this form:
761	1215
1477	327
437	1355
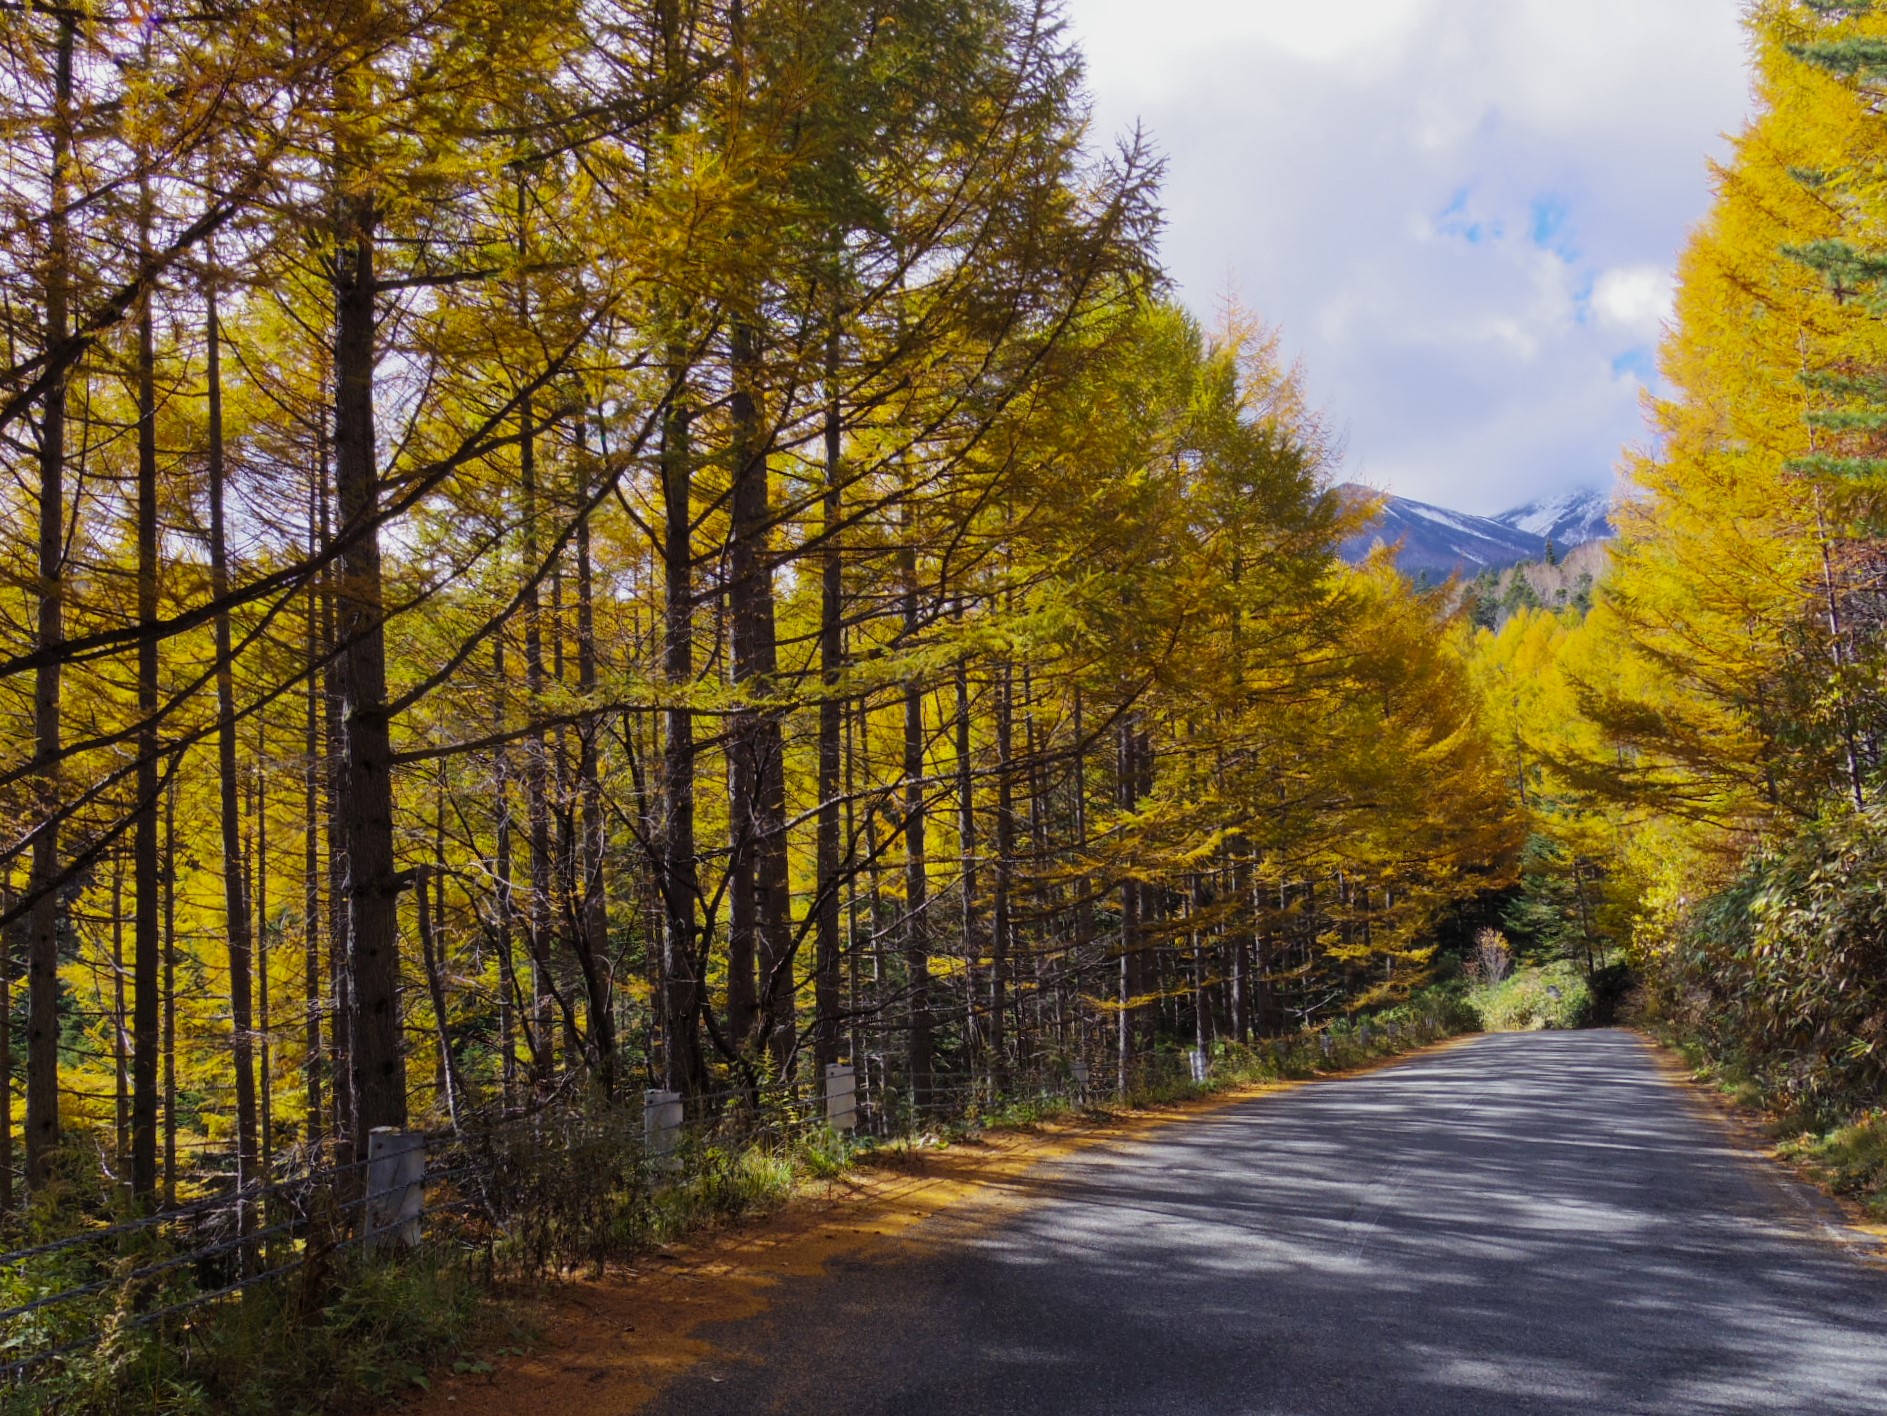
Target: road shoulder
1750	1136
611	1344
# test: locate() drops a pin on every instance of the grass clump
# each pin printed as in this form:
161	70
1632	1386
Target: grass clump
1850	1160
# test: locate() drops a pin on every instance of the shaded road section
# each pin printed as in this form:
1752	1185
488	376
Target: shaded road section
1528	1223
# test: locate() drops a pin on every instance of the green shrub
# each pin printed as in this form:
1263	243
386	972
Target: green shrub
1782	977
1850	1160
1554	995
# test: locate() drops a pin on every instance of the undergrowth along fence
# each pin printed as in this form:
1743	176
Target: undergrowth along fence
562	1187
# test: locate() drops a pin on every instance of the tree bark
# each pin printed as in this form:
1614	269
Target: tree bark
235	901
680	998
916	867
826	947
42	945
146	944
757	758
592	932
377	1062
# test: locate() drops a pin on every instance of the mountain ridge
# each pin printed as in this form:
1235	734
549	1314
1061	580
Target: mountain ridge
1437	541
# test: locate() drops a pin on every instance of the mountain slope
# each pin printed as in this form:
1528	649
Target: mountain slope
1437	542
1570	519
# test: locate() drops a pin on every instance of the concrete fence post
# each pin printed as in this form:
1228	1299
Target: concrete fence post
396	1187
661	1124
1080	1072
841	1096
1196	1059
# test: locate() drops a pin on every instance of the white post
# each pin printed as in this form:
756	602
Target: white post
661	1123
1080	1071
1197	1057
396	1187
841	1096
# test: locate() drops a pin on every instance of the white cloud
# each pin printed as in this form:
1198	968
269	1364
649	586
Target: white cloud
1463	212
1635	300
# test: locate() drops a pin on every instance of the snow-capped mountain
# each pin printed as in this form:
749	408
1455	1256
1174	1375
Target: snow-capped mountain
1568	520
1441	542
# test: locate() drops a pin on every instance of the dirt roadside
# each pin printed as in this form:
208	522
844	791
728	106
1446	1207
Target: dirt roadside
609	1345
1753	1135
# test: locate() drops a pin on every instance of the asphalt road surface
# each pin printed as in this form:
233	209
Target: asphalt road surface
1529	1223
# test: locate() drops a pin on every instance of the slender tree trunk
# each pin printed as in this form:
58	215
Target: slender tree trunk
432	952
170	993
235	903
42	947
683	968
1002	913
340	976
7	951
831	719
145	942
757	765
376	1058
916	867
120	1031
973	1024
536	767
1131	979
504	904
593	907
259	893
1084	904
313	761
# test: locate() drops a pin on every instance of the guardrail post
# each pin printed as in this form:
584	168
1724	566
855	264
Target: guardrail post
396	1187
1196	1060
1080	1072
661	1123
841	1096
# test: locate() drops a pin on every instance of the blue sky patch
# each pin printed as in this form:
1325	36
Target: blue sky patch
1641	363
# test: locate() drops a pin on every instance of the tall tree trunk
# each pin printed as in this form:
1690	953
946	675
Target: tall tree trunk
235	902
683	968
146	944
1084	903
259	894
42	946
313	762
966	864
1128	778
7	951
120	1032
432	954
593	899
1002	912
504	903
826	948
170	993
757	767
377	1061
340	973
536	766
916	868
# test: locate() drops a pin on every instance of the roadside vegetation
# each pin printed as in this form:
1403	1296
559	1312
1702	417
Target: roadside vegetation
1700	750
370	1329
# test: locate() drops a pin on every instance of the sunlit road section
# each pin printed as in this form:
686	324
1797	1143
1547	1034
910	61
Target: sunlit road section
1527	1223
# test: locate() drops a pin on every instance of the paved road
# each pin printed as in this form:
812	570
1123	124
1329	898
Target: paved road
1529	1223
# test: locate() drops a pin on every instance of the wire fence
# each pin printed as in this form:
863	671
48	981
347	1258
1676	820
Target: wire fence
558	1187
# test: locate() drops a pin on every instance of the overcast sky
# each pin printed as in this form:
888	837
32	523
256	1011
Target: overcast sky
1463	213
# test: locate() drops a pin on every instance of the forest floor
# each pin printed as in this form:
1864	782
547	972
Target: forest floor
607	1346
